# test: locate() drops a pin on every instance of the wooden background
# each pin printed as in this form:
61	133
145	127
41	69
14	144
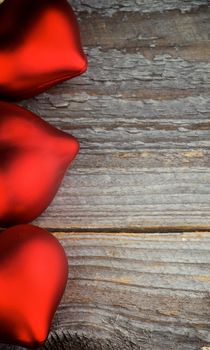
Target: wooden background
133	213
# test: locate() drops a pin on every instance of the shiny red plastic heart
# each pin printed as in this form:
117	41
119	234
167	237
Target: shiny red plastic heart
34	157
33	276
39	46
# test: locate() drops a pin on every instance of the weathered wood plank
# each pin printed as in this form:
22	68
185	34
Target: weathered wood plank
108	7
149	291
130	291
133	83
145	199
141	114
175	33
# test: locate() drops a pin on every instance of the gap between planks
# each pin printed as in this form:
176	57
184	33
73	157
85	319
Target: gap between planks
134	230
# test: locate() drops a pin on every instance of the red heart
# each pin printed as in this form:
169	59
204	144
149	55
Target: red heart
33	276
39	46
34	157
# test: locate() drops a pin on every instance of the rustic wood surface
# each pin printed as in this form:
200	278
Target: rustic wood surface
133	213
141	113
134	291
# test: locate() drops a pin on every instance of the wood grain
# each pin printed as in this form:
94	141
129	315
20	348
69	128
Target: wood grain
141	113
108	7
130	291
151	291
